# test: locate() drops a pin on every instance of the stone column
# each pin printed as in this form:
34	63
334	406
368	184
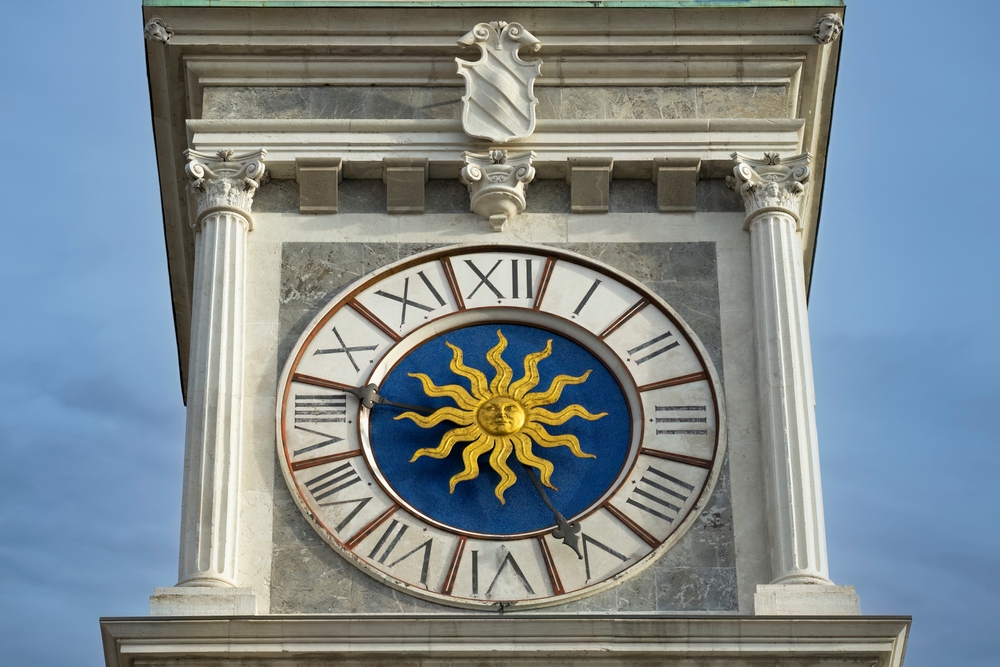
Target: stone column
772	190
223	186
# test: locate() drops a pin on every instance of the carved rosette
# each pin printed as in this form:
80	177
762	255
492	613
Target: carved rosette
771	184
224	181
496	183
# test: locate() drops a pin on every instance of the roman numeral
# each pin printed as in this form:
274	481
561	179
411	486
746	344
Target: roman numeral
320	408
662	494
338	478
588	540
392	537
676	416
406	301
654	353
330	440
344	349
516	286
475	573
359	505
509	560
425	565
515	292
586	297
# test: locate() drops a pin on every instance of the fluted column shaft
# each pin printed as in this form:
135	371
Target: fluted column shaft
771	190
223	186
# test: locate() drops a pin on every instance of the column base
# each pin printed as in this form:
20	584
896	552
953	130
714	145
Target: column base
806	600
202	601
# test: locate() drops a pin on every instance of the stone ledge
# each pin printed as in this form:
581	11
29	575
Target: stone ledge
492	640
806	600
202	601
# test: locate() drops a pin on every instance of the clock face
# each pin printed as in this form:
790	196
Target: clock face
499	424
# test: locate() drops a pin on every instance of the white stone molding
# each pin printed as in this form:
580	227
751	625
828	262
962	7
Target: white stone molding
499	102
223	186
772	190
363	144
496	183
828	28
526	640
157	31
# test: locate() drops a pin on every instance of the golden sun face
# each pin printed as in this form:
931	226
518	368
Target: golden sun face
500	417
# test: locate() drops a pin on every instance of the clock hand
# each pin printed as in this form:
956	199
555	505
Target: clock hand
369	395
565	531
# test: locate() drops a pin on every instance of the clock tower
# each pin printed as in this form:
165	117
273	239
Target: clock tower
492	332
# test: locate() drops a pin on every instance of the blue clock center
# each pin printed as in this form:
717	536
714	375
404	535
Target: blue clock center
501	427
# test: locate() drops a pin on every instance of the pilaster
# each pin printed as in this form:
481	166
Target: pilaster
772	191
223	188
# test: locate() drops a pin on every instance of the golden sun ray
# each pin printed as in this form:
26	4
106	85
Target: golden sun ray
498	461
552	394
500	417
543	416
450	439
461	417
455	392
500	381
480	387
470	457
543	438
522	449
531	377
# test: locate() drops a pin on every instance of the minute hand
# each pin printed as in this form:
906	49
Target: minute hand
565	531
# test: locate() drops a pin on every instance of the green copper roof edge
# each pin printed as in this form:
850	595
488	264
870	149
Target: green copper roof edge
668	4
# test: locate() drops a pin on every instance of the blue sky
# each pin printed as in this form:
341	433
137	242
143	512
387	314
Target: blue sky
903	309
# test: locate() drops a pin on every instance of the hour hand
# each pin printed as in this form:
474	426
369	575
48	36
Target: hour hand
567	532
369	396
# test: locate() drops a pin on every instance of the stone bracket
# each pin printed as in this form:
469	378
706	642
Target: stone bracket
318	180
589	179
404	180
676	184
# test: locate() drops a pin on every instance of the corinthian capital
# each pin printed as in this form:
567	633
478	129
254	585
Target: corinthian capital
770	184
224	181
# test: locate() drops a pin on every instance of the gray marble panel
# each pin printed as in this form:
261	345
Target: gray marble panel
548	196
714	196
446	196
277	197
697	575
362	196
444	102
632	196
